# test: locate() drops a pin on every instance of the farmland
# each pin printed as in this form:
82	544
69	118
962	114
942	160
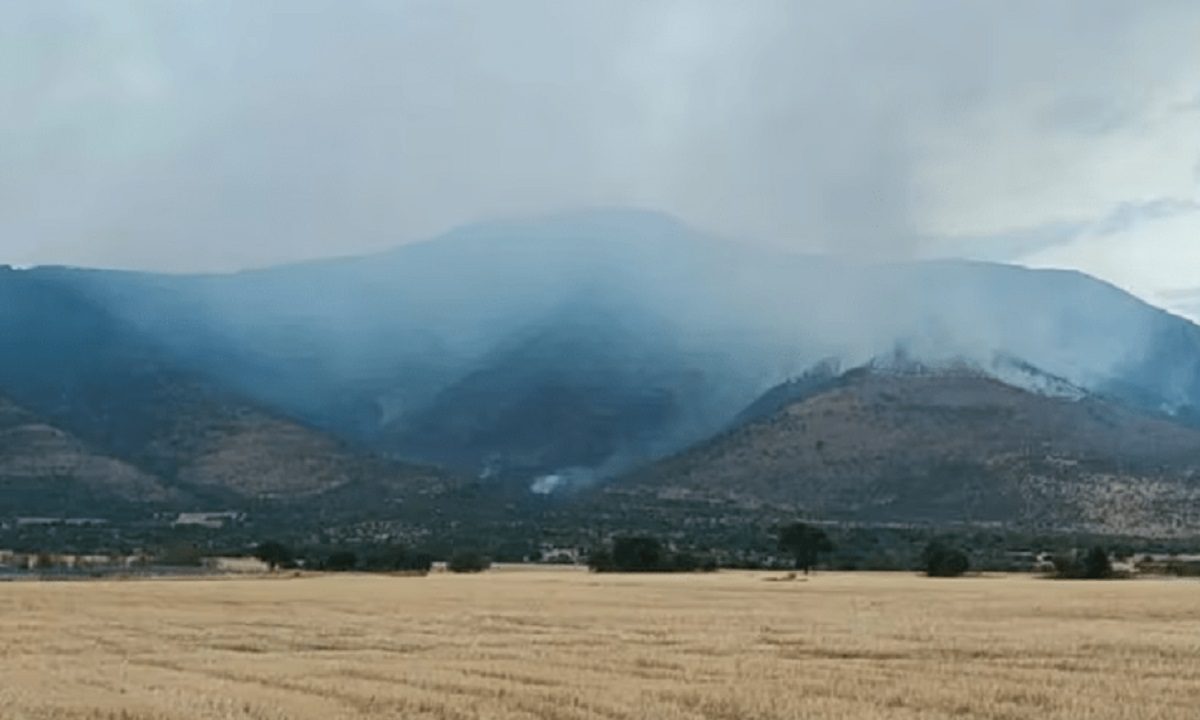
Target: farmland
564	644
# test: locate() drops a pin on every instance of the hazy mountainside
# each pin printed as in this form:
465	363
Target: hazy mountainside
45	470
590	341
542	354
590	390
123	416
912	444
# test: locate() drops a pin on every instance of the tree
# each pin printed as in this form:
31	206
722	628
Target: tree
1092	565
273	553
941	560
467	561
1096	565
341	561
805	543
646	554
393	558
638	554
601	560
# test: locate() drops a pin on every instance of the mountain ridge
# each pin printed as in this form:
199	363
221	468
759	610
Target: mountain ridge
942	447
574	346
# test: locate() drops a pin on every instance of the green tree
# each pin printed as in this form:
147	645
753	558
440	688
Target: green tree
601	560
341	561
392	558
1091	565
273	553
468	561
638	554
1096	565
941	560
805	543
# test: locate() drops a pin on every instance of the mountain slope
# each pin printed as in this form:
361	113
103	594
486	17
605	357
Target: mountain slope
44	470
590	388
944	446
585	341
113	387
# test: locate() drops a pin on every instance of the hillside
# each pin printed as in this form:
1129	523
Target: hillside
45	470
593	340
159	430
876	445
560	352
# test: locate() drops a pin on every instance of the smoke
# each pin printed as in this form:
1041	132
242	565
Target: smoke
546	484
188	136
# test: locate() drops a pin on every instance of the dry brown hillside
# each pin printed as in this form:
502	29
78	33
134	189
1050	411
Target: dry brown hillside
946	447
39	461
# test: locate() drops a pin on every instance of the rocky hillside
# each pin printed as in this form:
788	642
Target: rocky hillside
879	445
46	470
94	403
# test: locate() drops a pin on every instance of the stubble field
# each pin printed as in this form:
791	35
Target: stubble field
565	644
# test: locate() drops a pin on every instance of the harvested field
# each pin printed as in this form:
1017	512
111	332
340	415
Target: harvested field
564	644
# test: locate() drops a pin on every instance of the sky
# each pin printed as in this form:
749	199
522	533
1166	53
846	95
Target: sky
185	136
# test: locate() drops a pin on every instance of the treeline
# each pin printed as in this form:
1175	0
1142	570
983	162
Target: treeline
797	546
387	558
646	554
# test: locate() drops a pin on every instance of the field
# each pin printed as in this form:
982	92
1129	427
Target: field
566	644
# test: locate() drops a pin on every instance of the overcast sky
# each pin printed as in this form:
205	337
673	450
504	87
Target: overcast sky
217	135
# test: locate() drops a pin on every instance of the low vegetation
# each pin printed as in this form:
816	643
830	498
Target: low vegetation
942	560
805	543
1092	564
468	561
645	554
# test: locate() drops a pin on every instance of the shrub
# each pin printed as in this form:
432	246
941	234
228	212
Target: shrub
638	554
1096	565
397	558
468	562
341	561
274	554
601	560
1091	565
941	560
646	554
804	543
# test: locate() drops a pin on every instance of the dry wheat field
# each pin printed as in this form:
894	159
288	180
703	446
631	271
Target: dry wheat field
564	644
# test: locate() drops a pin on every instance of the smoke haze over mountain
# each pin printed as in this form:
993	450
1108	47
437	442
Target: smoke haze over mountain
184	136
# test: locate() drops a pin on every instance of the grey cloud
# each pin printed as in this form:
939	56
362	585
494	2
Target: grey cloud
1127	215
1012	244
226	134
1029	240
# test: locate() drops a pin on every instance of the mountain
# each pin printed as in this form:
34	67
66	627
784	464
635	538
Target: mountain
104	405
888	443
590	342
45	470
536	355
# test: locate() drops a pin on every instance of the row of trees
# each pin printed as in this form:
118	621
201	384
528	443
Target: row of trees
391	558
646	554
806	544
